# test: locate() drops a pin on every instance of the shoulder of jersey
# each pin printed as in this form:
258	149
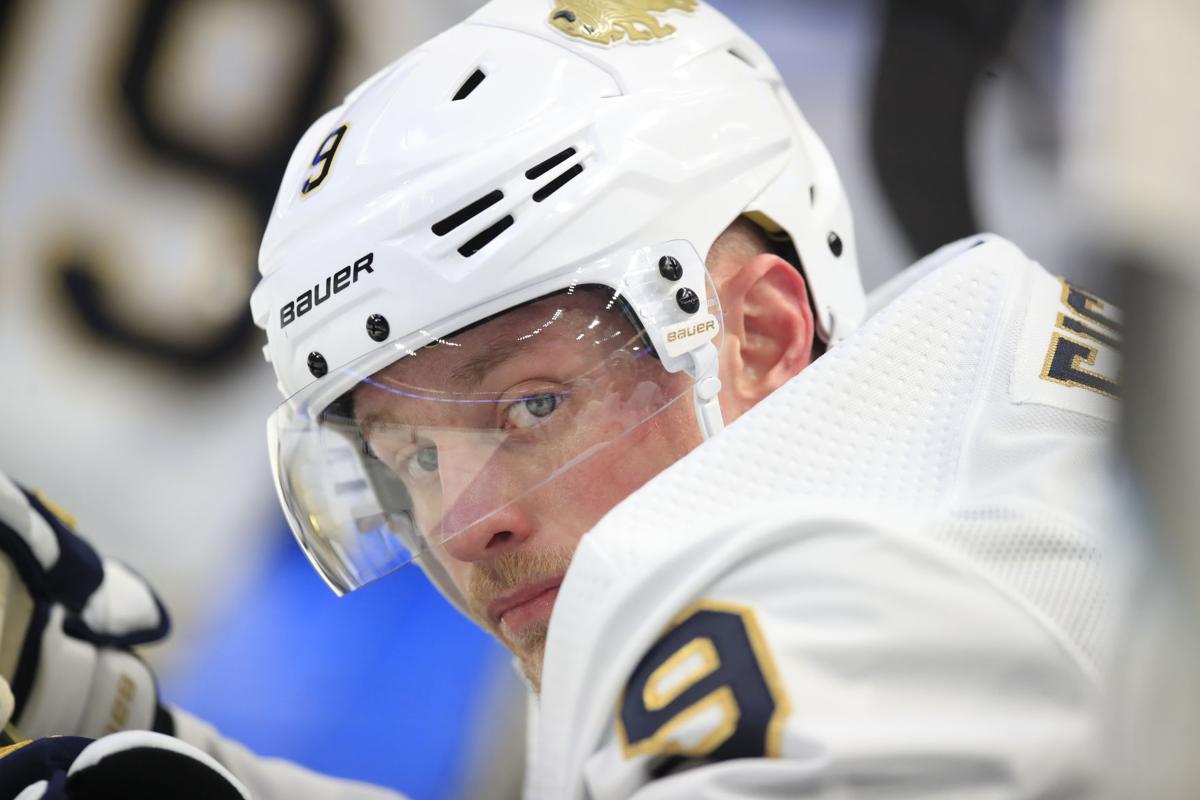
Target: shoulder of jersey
1063	341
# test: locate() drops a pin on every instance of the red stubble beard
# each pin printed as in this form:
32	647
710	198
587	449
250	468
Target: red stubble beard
506	573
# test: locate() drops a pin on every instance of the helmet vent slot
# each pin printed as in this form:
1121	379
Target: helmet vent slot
468	212
742	57
484	238
469	85
550	163
556	184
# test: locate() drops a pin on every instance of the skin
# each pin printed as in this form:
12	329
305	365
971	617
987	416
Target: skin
512	544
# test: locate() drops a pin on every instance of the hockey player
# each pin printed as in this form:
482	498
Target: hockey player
514	283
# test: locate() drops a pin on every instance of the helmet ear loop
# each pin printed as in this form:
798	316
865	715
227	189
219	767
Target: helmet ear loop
704	367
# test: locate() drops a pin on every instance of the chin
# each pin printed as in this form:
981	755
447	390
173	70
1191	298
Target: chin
532	670
530	653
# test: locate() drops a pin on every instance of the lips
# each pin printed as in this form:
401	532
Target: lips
524	606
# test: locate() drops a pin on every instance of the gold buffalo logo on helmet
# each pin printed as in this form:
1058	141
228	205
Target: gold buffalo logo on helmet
609	21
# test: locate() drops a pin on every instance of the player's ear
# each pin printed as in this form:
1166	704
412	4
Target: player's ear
768	331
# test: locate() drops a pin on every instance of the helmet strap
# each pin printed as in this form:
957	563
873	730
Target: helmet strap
703	368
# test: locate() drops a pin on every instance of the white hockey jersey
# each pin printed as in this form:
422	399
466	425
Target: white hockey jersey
886	580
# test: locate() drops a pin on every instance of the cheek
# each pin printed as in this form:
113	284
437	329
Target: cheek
459	571
573	503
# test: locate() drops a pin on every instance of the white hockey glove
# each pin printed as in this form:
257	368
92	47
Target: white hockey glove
131	765
69	619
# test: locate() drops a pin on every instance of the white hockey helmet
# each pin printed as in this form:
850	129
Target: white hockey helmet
537	147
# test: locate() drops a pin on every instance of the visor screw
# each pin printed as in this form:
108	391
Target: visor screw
377	327
317	365
835	244
688	300
670	268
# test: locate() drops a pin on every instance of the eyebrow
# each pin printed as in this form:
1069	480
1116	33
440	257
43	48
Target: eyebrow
476	369
499	350
366	423
468	375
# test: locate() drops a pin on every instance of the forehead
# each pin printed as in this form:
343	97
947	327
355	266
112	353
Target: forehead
583	322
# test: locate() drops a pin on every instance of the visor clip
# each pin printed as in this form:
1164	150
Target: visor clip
670	268
317	364
688	300
835	244
378	327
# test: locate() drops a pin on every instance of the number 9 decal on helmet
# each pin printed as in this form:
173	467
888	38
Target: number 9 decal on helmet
324	159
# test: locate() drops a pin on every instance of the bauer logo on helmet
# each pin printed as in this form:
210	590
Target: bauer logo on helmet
339	281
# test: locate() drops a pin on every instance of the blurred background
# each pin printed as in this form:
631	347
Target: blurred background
141	143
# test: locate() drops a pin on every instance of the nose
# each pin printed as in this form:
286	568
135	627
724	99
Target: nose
481	512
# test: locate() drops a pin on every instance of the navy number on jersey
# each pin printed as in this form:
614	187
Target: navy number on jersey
1086	327
707	688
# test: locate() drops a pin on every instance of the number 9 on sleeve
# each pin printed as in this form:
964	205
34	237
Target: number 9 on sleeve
708	688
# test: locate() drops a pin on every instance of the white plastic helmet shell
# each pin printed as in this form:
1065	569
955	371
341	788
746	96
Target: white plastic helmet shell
666	137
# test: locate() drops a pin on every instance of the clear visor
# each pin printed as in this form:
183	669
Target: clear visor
460	427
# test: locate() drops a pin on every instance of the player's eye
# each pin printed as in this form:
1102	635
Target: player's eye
530	411
423	462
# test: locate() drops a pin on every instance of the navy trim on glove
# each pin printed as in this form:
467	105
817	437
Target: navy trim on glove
78	571
29	762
